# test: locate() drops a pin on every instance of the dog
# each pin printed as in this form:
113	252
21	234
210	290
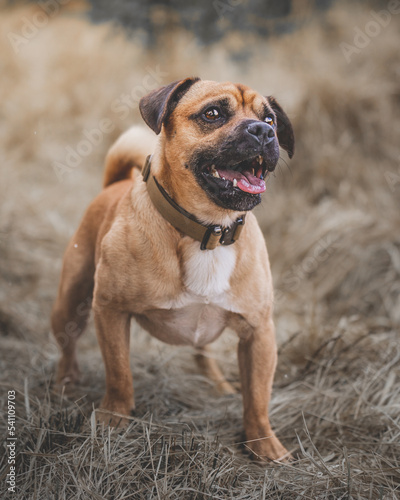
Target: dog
171	241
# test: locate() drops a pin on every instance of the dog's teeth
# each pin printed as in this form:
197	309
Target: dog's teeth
214	172
234	182
260	159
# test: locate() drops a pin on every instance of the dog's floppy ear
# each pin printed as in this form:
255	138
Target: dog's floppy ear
159	104
284	127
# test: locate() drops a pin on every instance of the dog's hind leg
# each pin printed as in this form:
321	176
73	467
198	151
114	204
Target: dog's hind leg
71	309
210	369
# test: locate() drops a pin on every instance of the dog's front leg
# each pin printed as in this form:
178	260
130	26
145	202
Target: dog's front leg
113	332
257	361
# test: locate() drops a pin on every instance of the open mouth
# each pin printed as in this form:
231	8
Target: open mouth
246	176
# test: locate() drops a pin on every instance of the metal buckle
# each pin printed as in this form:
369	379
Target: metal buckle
231	234
216	235
211	238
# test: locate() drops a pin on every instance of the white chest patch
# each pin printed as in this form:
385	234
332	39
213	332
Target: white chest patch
207	273
197	316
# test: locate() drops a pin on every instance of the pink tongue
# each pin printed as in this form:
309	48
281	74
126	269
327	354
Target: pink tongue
245	181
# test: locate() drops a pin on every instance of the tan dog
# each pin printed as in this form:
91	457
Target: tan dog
216	143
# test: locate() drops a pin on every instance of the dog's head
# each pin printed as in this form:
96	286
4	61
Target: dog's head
226	135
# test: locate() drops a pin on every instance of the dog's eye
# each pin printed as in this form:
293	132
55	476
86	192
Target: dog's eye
269	120
212	114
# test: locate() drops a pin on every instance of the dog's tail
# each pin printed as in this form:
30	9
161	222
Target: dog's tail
129	151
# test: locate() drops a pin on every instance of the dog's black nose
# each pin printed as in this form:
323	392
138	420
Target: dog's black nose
263	132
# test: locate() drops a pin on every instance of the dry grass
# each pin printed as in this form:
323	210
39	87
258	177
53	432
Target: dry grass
331	222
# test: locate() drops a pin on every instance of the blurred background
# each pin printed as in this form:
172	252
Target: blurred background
72	73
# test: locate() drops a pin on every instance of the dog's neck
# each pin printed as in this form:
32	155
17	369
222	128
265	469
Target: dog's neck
196	203
210	235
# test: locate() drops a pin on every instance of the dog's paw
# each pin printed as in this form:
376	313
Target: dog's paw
68	373
268	449
112	419
225	388
114	413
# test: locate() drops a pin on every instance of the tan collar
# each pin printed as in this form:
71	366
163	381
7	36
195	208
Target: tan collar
210	236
